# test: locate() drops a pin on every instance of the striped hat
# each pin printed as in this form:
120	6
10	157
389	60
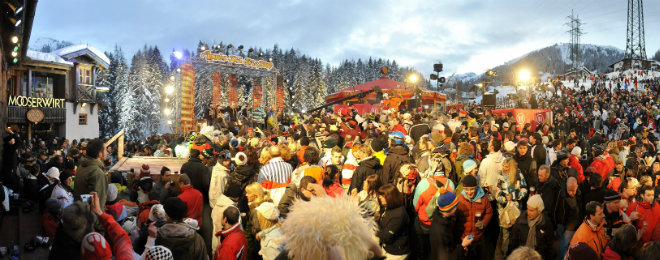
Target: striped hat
446	201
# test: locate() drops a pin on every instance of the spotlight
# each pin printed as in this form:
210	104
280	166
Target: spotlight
169	89
240	47
251	50
14	39
202	48
15	60
172	78
270	59
261	54
169	122
178	54
178	69
14	54
230	46
167	111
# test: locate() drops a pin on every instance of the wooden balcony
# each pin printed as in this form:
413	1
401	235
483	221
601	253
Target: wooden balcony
51	115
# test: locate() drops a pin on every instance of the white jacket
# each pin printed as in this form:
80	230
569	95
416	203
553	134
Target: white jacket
490	169
219	177
62	196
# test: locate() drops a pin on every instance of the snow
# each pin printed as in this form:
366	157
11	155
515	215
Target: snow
47	57
80	47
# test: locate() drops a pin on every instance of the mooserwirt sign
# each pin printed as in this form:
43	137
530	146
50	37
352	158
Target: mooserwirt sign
211	57
23	101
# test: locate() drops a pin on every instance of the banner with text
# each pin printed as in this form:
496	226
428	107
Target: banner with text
187	98
217	89
211	57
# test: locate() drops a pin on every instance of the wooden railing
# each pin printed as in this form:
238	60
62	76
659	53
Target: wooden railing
51	115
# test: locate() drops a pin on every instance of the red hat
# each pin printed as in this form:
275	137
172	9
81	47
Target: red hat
250	129
94	246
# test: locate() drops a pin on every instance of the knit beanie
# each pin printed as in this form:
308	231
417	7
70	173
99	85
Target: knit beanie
446	201
175	208
611	195
268	210
94	246
112	192
158	253
469	181
468	166
577	151
535	202
581	251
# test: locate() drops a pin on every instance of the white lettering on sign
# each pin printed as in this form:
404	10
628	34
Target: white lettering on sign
23	101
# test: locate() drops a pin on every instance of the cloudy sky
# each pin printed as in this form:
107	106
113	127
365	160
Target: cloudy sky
466	35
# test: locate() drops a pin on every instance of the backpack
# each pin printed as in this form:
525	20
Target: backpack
408	179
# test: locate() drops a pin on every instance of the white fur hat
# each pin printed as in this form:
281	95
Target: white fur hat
509	146
268	210
54	173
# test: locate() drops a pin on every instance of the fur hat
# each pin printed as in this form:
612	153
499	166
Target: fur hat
268	210
112	192
468	166
469	181
536	202
54	173
327	219
240	158
446	200
577	151
158	253
94	246
157	213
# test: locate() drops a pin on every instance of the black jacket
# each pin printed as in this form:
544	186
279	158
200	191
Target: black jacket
393	230
418	131
200	176
527	167
445	237
64	246
549	191
365	168
539	154
568	210
545	236
396	157
244	175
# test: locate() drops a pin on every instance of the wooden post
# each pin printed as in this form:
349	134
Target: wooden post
120	145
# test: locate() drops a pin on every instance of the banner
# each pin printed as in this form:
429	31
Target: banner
210	57
280	99
535	117
256	99
233	91
187	98
361	108
217	89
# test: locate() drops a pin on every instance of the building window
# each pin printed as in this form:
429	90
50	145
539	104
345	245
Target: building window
85	75
42	86
82	119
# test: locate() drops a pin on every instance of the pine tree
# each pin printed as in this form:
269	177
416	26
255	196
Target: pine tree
108	126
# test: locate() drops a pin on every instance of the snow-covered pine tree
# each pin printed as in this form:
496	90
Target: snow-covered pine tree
106	78
157	72
123	98
203	89
302	98
320	90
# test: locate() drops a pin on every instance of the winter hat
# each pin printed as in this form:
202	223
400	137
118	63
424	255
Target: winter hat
446	200
112	192
562	156
144	171
545	140
234	143
469	181
94	246
611	196
65	175
157	213
207	153
175	208
377	145
580	251
330	143
577	151
468	166
535	202
240	158
505	125
53	172
398	137
268	210
158	253
509	147
207	131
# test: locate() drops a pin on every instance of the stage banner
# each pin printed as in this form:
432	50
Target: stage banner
280	99
535	117
256	99
187	98
217	89
361	108
233	91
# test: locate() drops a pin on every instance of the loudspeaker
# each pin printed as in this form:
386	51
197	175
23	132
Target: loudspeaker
488	100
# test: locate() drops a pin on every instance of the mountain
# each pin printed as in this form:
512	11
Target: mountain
551	60
46	44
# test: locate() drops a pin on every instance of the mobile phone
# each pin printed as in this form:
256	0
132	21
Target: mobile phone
85	197
471	236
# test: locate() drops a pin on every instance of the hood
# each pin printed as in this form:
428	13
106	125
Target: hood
224	201
370	162
89	161
176	230
245	170
400	150
480	194
497	156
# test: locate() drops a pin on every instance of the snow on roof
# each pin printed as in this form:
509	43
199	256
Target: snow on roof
83	49
47	57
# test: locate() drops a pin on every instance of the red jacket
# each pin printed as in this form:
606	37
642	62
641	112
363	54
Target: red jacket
649	214
194	202
603	164
574	162
122	249
50	224
233	244
610	254
470	209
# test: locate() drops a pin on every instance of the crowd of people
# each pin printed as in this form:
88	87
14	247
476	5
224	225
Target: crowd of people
399	184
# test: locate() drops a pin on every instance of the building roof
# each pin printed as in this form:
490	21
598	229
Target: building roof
47	58
73	51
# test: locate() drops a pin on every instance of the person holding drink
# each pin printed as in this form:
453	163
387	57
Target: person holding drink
476	214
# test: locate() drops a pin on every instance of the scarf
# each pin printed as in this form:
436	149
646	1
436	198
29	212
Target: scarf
531	235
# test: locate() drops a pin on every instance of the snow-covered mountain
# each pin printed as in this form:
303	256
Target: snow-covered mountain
551	60
47	44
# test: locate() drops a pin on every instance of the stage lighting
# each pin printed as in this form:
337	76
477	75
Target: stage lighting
178	54
14	39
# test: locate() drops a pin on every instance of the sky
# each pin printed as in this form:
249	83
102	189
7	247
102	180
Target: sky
465	35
